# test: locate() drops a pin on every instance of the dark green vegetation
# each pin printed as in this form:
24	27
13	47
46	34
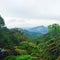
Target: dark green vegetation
15	45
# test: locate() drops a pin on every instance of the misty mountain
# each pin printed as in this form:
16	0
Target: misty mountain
36	31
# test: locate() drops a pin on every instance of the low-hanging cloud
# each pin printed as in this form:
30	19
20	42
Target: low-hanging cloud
37	12
28	23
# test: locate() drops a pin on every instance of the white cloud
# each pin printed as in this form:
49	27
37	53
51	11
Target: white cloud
27	13
24	23
30	8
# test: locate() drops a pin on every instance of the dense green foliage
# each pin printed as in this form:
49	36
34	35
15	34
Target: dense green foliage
1	22
15	45
24	57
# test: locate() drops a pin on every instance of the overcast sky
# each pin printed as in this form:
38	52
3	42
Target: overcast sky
30	13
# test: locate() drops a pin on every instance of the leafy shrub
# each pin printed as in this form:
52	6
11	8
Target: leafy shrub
10	58
23	57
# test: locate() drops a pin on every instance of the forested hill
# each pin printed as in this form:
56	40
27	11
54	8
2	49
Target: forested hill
16	45
36	31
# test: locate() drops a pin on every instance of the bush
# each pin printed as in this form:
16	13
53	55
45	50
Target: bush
10	58
23	57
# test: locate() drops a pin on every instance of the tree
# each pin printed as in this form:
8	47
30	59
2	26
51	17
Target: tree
1	22
54	29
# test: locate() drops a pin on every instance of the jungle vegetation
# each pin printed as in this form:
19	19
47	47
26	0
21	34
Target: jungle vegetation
15	45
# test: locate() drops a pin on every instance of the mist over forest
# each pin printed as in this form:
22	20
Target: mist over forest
38	43
29	29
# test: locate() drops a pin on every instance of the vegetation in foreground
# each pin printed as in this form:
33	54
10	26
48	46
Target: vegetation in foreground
15	45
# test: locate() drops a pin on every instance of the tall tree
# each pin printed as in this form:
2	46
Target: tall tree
1	22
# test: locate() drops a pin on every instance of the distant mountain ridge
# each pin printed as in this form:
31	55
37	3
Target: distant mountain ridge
36	31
